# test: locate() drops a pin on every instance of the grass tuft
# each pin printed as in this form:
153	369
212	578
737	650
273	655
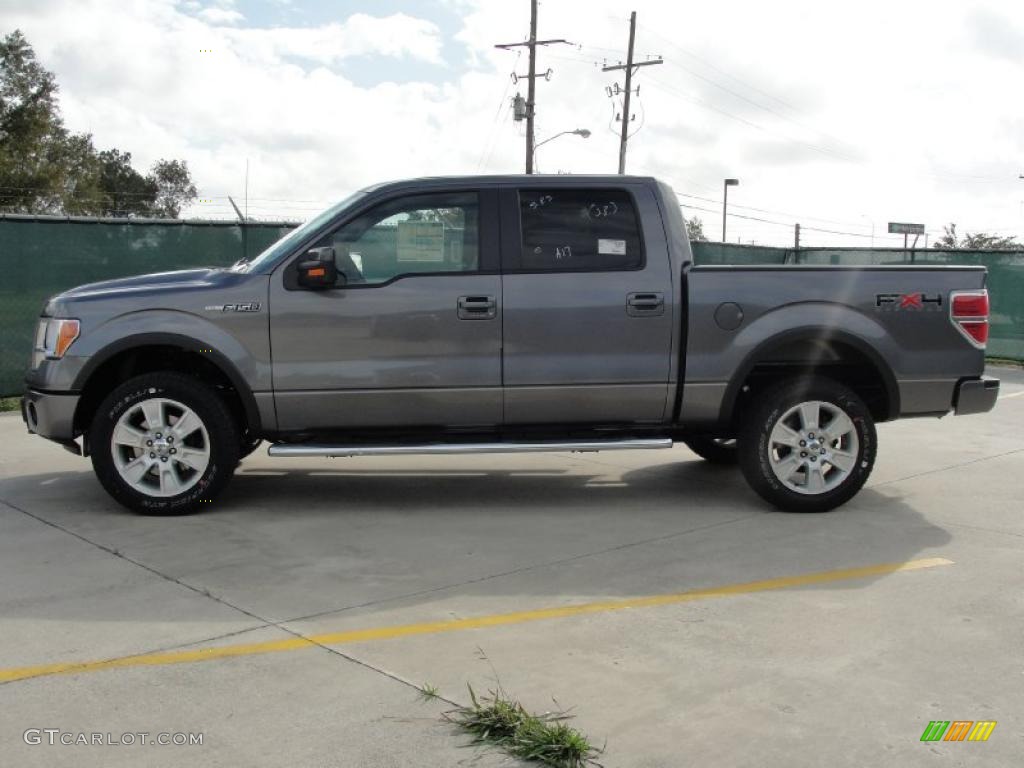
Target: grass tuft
10	404
428	691
498	720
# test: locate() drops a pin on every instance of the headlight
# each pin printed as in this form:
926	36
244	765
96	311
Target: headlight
53	337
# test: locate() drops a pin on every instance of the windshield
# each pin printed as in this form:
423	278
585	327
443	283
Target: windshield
282	246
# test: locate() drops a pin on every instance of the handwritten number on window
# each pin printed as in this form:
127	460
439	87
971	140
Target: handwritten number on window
602	210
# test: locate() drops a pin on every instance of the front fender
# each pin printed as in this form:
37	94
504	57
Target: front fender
250	362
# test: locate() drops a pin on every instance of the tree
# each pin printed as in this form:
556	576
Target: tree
174	187
695	229
978	241
44	168
124	191
450	217
36	151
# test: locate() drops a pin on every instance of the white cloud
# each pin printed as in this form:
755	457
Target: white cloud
220	16
397	35
890	111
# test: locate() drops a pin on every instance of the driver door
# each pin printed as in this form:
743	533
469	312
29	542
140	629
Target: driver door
410	336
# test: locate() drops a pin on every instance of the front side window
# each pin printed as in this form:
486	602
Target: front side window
409	235
589	230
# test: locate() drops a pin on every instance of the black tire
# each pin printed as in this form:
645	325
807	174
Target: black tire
247	448
216	419
755	445
715	450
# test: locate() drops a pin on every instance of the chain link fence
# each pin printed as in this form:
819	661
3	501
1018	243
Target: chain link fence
41	256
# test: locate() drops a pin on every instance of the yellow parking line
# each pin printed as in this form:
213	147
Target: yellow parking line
453	625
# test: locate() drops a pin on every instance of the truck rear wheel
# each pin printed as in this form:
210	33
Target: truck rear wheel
717	450
807	445
163	444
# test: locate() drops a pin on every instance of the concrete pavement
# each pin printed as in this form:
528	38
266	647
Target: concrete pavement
837	672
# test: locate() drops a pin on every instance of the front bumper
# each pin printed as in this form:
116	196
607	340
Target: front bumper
975	395
50	415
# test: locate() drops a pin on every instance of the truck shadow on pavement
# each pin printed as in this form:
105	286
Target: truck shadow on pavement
335	538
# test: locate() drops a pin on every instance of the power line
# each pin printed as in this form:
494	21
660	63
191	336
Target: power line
787	224
720	71
840	154
701	102
492	133
769	210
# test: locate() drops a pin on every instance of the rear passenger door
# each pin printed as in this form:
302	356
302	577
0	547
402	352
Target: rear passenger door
587	305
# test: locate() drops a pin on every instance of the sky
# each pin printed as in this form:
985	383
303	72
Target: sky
840	116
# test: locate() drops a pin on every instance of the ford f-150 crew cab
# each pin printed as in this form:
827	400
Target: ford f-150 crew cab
505	313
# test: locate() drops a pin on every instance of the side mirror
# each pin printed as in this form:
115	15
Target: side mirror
317	269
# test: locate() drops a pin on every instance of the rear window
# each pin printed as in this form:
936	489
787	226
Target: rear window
588	230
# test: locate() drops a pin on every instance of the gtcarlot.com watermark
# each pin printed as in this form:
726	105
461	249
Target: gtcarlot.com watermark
57	737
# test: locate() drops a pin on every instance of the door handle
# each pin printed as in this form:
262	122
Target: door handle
477	308
645	304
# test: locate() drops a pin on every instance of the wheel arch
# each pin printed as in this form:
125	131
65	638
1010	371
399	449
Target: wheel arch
146	352
822	350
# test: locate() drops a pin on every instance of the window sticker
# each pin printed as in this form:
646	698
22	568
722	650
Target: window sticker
611	247
421	241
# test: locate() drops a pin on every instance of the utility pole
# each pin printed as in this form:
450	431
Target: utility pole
531	86
629	67
796	235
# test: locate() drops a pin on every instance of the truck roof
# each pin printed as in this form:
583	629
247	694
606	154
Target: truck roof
537	179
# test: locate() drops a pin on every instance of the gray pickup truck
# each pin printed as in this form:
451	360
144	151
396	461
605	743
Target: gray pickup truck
502	314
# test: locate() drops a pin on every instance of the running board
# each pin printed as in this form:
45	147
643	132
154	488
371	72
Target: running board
337	451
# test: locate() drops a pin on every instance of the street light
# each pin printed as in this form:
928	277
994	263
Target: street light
583	132
725	200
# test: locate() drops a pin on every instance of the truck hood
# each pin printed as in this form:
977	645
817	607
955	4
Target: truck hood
159	282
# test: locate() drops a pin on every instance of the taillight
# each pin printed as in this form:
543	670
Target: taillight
969	312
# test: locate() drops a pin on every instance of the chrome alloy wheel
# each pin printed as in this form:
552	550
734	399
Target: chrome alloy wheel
160	447
813	447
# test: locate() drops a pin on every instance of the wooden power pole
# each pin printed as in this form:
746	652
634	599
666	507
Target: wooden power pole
531	86
629	67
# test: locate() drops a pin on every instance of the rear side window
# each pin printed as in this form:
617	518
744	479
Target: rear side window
588	230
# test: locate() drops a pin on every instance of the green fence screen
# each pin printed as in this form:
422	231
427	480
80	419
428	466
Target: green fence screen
41	256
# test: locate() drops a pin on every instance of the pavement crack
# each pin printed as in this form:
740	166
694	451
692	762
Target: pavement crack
264	622
117	553
522	569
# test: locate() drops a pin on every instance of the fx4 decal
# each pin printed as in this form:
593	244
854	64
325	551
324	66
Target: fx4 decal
899	301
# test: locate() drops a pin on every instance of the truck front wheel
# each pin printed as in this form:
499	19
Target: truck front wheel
163	443
807	445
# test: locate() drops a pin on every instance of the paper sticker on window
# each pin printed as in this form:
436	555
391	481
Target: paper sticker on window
420	241
611	247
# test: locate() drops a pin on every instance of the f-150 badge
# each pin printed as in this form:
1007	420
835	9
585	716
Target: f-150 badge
241	306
